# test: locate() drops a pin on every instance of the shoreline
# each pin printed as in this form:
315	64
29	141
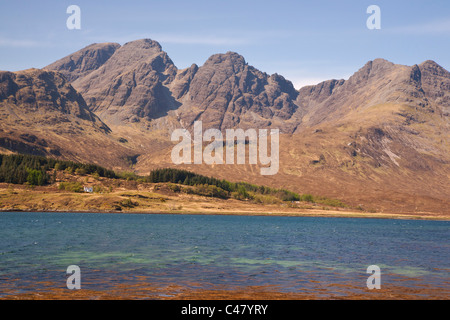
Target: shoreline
149	291
153	199
309	213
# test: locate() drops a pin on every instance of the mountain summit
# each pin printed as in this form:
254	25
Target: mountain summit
226	92
140	82
83	62
129	85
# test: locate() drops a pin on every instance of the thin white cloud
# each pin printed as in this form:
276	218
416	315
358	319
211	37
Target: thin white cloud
18	43
303	82
217	38
316	73
182	39
430	28
239	37
202	40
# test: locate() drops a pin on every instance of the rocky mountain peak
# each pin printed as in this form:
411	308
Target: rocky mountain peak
226	92
377	82
143	44
284	85
138	80
137	53
372	69
130	85
84	61
435	82
432	68
231	60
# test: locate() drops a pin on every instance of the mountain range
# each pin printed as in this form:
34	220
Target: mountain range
379	140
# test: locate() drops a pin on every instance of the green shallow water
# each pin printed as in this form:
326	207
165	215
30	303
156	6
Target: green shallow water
214	251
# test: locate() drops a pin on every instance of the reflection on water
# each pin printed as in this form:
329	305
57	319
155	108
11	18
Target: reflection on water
291	254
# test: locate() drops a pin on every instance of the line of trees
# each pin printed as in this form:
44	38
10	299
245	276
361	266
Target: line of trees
241	188
20	169
34	170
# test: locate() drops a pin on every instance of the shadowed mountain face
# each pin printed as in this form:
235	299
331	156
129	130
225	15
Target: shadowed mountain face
42	114
379	139
131	85
435	83
226	92
36	94
83	62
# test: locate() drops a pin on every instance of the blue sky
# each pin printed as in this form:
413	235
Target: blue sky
305	41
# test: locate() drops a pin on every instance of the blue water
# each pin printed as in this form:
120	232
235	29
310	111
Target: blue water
295	254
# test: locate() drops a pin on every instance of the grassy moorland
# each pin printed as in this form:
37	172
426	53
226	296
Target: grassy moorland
30	183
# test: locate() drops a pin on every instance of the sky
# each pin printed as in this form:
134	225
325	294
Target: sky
305	41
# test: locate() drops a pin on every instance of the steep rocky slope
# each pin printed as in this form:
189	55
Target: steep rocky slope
42	114
130	85
139	82
226	92
84	61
